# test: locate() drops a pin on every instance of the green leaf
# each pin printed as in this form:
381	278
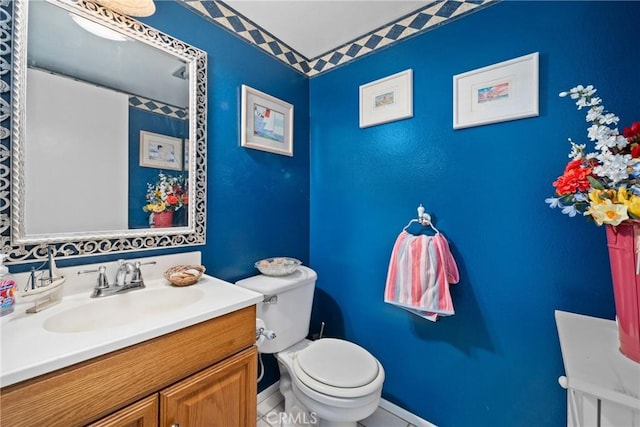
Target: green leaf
595	183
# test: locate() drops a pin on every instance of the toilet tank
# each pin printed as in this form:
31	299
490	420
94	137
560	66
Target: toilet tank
286	309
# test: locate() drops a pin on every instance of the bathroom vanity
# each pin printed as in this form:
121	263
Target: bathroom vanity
188	361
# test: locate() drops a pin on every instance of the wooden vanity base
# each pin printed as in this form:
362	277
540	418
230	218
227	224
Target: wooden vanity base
85	392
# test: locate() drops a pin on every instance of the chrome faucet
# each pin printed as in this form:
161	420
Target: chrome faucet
128	278
124	269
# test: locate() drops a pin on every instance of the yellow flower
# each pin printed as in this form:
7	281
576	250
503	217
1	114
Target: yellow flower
632	202
633	205
623	196
607	212
156	207
602	196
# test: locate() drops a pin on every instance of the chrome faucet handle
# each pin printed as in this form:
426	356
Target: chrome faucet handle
102	282
136	276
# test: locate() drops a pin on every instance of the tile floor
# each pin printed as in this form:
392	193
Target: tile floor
274	404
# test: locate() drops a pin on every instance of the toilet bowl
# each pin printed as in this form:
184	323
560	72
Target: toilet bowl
326	383
336	382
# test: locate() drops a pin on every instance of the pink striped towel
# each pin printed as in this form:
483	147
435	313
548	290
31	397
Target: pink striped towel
420	271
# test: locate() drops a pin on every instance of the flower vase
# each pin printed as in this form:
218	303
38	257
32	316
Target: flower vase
163	219
623	256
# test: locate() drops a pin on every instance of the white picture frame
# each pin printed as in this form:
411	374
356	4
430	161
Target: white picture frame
160	151
504	91
387	99
266	122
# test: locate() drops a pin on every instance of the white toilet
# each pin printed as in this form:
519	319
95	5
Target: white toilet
328	382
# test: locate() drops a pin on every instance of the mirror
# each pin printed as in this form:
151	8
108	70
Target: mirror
98	122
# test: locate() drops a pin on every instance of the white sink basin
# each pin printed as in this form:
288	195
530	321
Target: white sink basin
118	310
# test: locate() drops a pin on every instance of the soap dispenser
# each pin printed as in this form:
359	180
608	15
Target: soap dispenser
8	289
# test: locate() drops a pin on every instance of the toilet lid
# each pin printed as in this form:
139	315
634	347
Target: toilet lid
338	363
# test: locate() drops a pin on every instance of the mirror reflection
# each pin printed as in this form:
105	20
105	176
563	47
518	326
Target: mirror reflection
106	143
107	135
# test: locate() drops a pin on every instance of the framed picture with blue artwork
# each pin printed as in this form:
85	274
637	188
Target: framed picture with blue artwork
160	151
387	99
266	122
496	93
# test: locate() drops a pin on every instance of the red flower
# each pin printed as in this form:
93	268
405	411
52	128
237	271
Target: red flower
573	164
635	151
574	179
632	132
172	199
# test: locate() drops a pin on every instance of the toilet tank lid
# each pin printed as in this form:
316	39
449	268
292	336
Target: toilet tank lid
276	284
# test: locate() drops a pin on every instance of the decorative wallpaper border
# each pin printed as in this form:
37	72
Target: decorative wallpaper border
435	14
158	107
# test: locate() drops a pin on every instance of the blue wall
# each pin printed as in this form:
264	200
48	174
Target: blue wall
496	362
257	202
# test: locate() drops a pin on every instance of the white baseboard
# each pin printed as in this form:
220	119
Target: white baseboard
404	414
384	404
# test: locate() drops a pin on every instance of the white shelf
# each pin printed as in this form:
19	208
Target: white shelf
596	369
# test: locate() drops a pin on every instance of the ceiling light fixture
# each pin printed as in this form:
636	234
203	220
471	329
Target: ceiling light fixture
130	7
97	29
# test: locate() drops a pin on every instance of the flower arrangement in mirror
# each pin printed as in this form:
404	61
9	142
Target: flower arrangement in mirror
604	184
168	193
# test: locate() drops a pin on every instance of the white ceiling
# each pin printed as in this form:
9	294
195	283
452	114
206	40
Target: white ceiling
315	27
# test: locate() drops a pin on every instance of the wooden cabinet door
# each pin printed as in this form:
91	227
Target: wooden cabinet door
143	413
224	395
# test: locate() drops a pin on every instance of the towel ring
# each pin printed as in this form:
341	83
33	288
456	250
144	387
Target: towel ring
424	219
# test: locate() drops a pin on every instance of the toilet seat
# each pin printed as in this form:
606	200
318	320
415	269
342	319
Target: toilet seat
338	368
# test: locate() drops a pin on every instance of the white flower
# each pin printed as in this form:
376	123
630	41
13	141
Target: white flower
554	202
597	133
580	197
576	92
577	150
582	92
586	91
594	101
594	113
621	141
613	166
604	136
582	102
610	119
570	210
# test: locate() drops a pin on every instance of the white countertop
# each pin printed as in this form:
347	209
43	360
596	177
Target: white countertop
593	362
29	350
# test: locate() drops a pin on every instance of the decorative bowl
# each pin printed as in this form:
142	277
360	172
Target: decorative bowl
184	275
280	266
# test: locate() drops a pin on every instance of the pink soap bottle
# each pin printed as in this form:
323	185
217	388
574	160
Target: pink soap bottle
8	289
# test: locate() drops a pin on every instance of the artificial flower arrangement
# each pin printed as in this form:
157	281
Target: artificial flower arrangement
168	193
604	184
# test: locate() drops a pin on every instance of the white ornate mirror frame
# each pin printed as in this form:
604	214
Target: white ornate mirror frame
13	65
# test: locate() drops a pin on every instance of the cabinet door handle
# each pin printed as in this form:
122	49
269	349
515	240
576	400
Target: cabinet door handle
175	425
